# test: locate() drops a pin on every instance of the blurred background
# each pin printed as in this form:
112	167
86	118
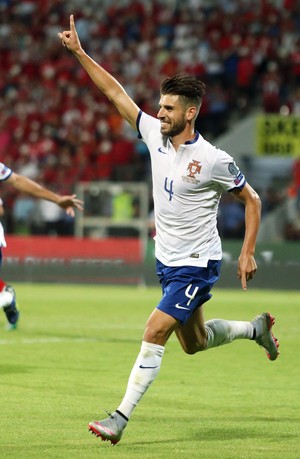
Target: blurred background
56	128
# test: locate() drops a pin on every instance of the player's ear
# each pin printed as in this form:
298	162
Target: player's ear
191	113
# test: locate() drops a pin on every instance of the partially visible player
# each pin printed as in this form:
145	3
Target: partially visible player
7	292
24	184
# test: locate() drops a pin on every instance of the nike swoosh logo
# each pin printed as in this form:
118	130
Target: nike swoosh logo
180	307
162	151
143	367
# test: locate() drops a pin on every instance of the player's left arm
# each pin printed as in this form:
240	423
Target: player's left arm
246	263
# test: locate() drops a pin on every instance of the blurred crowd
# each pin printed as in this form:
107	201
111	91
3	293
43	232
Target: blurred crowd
57	128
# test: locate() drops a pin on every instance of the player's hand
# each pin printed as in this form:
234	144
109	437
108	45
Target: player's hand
69	203
246	269
69	38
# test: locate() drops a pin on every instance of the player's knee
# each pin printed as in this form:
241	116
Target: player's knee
159	329
193	348
156	335
190	350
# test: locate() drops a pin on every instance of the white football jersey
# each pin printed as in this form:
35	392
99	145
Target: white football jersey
5	172
187	186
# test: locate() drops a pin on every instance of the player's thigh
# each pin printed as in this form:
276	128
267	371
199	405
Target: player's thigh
192	335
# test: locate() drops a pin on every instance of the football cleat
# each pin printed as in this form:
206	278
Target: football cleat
11	311
264	337
109	429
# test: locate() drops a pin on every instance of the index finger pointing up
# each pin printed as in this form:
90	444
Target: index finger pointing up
72	23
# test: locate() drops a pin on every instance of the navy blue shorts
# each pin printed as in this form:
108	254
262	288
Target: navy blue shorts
186	288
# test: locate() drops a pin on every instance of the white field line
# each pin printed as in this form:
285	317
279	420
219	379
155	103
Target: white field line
54	340
57	340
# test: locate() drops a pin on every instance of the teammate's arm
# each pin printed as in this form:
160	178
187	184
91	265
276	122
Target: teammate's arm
107	84
246	262
2	211
24	184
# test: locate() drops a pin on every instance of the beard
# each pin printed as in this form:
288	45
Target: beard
173	129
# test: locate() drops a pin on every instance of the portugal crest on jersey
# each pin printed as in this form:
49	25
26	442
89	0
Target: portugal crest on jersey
194	168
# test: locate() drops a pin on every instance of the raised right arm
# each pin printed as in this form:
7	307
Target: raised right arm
107	84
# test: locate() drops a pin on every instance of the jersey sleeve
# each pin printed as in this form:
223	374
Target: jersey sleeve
5	172
227	173
147	126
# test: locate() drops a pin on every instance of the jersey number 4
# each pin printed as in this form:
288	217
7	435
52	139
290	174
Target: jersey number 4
169	189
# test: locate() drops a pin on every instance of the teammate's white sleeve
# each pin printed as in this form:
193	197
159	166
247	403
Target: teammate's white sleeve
5	172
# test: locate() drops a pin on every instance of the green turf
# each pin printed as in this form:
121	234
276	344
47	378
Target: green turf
72	354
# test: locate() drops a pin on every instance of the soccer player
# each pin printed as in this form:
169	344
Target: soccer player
24	184
189	176
7	292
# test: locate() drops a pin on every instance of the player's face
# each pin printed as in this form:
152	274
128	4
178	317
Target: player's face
172	115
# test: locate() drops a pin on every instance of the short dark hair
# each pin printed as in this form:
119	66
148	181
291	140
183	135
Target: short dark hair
187	86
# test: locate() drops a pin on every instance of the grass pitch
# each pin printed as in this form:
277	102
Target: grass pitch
72	354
